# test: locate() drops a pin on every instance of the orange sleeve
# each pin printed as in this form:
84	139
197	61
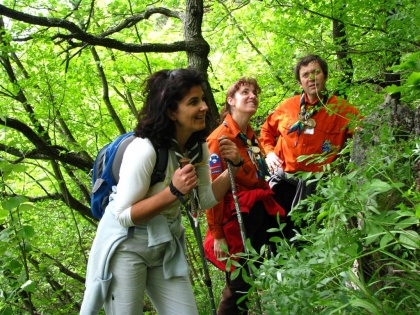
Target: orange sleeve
270	132
215	214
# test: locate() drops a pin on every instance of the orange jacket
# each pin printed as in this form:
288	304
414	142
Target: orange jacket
329	135
231	229
246	179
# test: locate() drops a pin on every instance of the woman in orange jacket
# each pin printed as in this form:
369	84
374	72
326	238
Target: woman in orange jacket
258	208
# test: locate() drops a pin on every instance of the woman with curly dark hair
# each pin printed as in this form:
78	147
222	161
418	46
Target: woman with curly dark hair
126	262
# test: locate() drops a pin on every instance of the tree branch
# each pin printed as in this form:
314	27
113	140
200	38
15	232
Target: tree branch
368	28
43	150
105	92
132	20
64	269
100	40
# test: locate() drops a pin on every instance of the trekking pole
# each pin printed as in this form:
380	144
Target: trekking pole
240	221
192	212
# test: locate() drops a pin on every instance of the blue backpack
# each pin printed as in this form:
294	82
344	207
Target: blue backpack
106	171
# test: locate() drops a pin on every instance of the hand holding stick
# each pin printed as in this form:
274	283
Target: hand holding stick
193	195
235	199
239	216
192	211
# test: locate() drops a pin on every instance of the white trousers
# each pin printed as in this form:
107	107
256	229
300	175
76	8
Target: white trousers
137	269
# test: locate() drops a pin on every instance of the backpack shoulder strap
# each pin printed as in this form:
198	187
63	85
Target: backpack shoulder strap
159	172
122	146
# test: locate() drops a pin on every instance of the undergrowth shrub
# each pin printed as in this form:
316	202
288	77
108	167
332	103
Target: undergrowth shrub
359	252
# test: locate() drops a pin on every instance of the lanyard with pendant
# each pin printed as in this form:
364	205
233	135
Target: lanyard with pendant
304	117
255	155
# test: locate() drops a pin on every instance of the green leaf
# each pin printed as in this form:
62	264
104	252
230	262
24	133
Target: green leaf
374	233
351	175
392	89
27	231
6	311
371	308
235	273
418	211
352	250
26	207
403	224
410	239
13	202
3	249
413	81
3	214
388	237
236	263
53	250
275	239
14	266
224	248
228	265
321	216
28	286
377	186
11	169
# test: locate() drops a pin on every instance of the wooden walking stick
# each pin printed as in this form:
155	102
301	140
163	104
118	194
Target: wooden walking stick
240	221
192	211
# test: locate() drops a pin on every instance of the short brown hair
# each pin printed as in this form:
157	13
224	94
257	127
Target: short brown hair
304	61
233	89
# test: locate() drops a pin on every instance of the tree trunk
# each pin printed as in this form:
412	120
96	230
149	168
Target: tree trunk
198	50
345	62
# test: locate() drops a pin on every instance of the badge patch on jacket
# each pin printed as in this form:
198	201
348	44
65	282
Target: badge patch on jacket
215	164
326	146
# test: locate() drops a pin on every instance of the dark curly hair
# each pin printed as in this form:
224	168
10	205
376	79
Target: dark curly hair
304	61
233	89
163	90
